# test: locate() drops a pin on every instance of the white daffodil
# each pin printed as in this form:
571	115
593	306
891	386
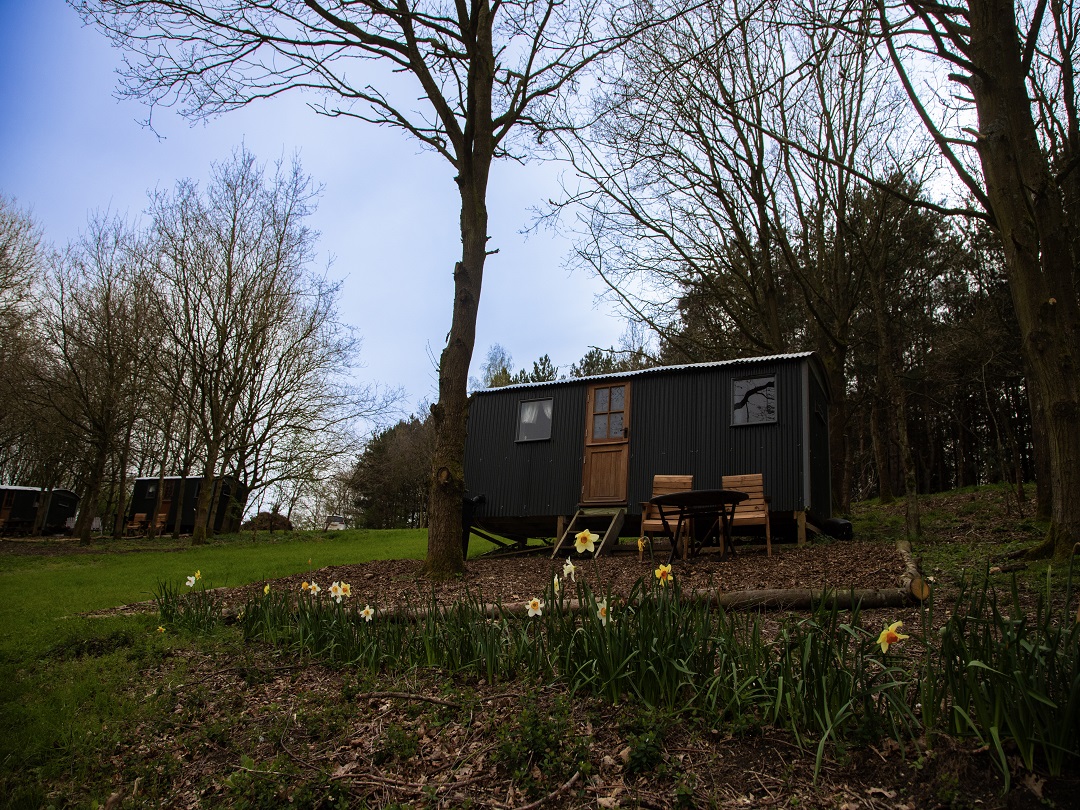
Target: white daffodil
602	611
569	570
367	613
536	607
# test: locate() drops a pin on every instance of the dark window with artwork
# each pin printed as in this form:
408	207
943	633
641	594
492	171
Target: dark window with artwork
534	420
753	400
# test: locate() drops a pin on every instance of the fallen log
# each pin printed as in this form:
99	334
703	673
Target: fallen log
765	599
911	579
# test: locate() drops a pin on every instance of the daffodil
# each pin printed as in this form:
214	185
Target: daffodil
536	607
335	592
602	611
191	582
160	629
198	575
890	635
314	588
305	585
585	541
367	613
663	573
266	589
569	570
555	583
641	545
346	590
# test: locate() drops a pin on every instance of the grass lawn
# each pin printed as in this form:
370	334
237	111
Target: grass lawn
39	595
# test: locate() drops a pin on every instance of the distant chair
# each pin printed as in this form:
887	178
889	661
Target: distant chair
137	524
651	522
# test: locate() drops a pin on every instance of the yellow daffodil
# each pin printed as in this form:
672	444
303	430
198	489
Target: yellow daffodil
346	590
305	586
367	613
555	583
569	570
266	588
160	629
890	635
602	611
663	573
585	541
536	607
641	545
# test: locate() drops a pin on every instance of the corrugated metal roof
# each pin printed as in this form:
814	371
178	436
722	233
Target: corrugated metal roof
654	370
32	489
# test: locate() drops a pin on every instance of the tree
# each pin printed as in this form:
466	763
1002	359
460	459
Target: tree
257	349
391	480
97	334
497	370
716	179
1008	56
20	262
483	70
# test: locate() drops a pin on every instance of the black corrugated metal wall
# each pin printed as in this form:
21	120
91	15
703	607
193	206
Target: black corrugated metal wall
526	478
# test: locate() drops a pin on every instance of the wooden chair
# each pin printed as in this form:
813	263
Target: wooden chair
138	523
651	524
754	511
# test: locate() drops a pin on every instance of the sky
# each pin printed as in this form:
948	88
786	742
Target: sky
387	216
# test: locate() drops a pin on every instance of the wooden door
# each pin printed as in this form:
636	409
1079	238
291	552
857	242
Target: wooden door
607	444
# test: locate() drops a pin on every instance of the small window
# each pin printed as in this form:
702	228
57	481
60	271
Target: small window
534	420
753	401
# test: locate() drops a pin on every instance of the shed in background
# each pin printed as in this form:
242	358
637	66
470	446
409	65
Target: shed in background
539	451
226	508
19	509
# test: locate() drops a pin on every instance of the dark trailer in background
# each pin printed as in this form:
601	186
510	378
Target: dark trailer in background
227	506
537	452
19	508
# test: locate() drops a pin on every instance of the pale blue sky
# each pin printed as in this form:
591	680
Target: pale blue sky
388	213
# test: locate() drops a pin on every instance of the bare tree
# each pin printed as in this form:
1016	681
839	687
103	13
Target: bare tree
20	262
482	70
96	335
717	177
1003	55
252	334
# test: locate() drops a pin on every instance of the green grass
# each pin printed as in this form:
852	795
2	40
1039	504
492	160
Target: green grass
39	594
66	680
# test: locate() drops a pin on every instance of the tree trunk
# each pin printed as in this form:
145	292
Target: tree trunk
474	149
1029	212
1040	453
88	510
178	499
449	415
834	361
879	434
895	402
205	497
